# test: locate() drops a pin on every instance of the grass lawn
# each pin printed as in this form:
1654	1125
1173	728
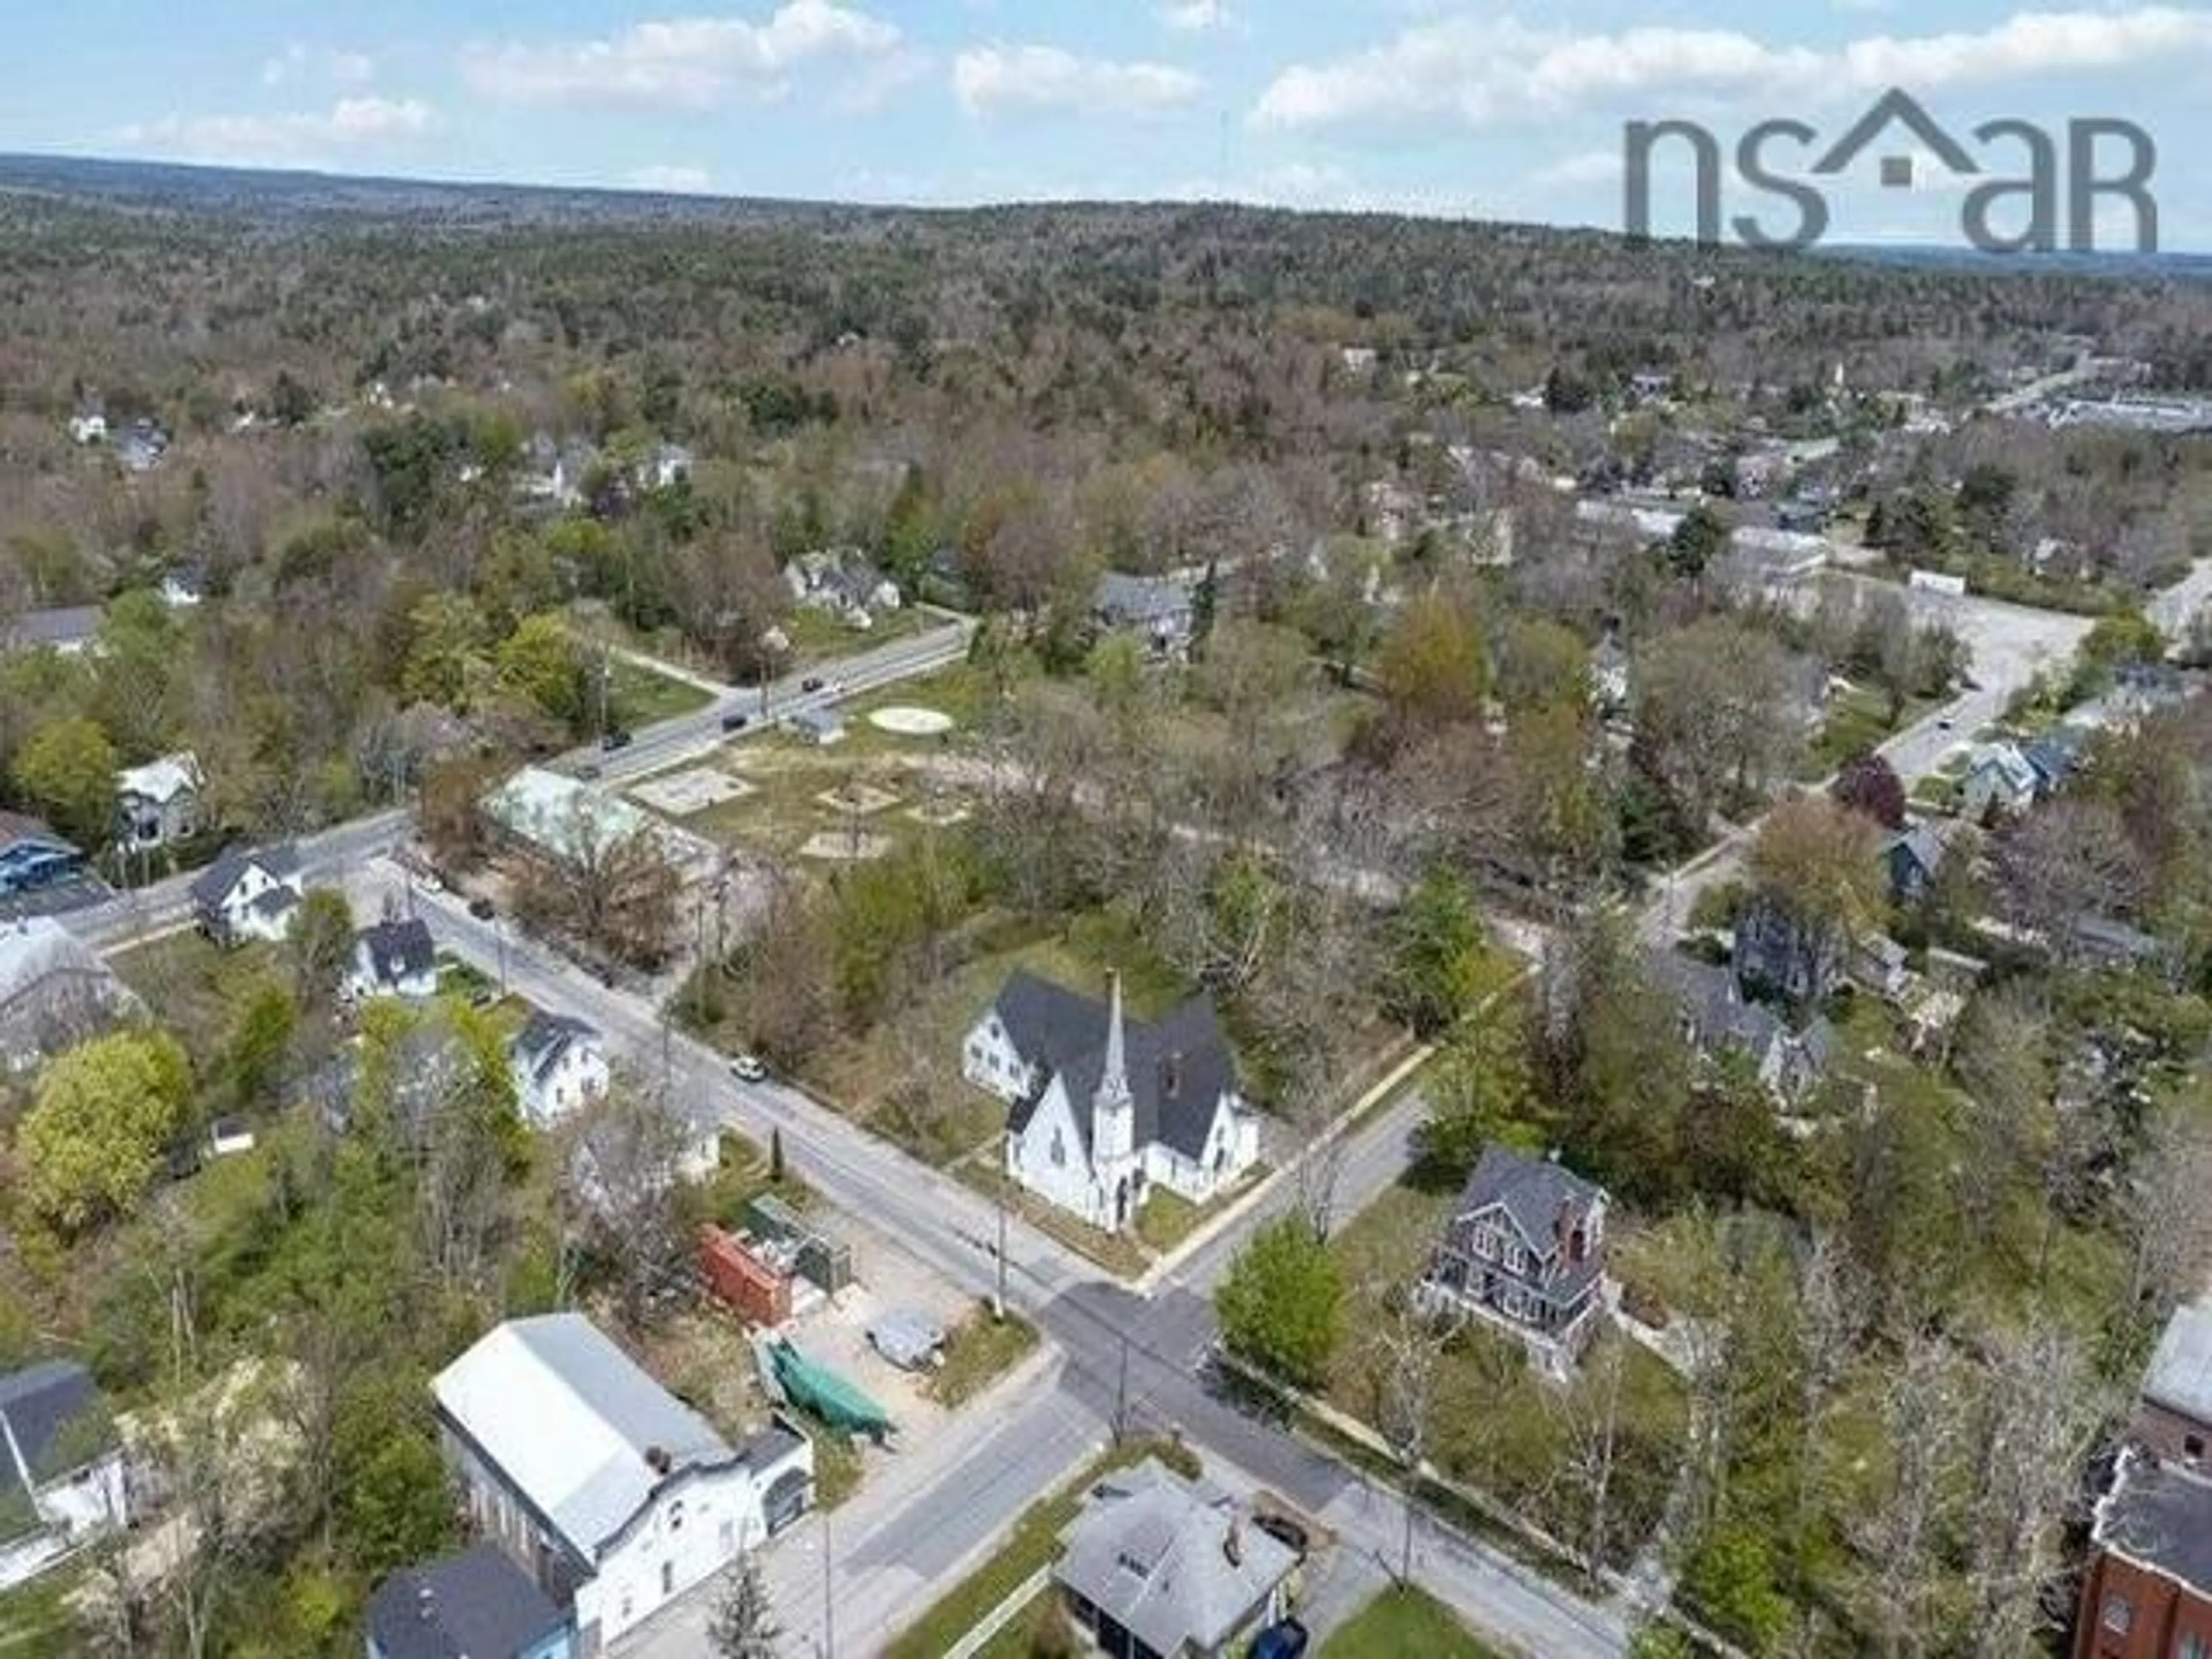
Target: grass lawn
197	989
1401	1623
978	1352
636	695
1034	1542
1495	1425
1167	1218
1857	720
1117	1254
817	637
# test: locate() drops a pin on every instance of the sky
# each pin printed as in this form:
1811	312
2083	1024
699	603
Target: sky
1495	111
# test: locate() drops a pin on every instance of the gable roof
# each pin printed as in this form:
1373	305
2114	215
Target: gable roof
476	1605
2011	766
65	628
1154	1551
1532	1191
280	861
1129	601
38	1406
1178	1068
162	779
571	1422
544	1038
36	953
1717	1012
398	949
1925	844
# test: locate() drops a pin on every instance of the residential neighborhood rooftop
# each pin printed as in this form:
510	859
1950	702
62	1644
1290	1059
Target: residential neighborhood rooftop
469	1606
2160	1517
2180	1374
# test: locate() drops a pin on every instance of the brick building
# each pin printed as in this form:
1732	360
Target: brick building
2148	1593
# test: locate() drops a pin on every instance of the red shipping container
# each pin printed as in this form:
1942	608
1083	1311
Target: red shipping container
760	1294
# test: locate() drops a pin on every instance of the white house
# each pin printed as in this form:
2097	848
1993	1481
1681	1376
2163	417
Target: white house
249	893
159	802
394	958
89	428
559	1064
614	1495
1999	777
1101	1107
61	1467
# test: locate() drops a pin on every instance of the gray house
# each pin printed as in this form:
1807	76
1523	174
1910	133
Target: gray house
1777	950
1524	1251
475	1605
61	1467
1161	610
1159	1567
1717	1019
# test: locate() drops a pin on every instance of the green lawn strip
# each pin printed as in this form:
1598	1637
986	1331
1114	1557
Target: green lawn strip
1401	1623
638	695
978	1352
1032	1544
1118	1255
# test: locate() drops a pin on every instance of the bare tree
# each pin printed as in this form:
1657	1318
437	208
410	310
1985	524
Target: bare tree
1902	1534
620	1163
1407	1349
613	888
2168	1206
744	1624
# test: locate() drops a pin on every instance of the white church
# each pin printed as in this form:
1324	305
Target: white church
1101	1108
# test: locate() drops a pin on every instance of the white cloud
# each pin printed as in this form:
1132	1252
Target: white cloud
1481	72
694	61
349	127
1194	17
303	62
670	178
1007	79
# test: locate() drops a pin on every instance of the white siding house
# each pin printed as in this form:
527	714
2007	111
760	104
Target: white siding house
613	1495
159	802
249	893
394	958
1101	1108
559	1065
61	1465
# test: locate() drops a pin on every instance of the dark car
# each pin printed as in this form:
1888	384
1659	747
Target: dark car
615	740
481	909
588	772
812	682
1284	1531
1286	1640
735	722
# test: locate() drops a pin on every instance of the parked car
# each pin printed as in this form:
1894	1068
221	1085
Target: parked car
735	722
588	772
812	682
1284	1531
747	1068
1286	1640
614	740
481	909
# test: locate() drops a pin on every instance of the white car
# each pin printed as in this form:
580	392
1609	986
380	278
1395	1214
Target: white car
747	1068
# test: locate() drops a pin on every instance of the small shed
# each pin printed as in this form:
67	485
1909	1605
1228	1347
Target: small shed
819	1254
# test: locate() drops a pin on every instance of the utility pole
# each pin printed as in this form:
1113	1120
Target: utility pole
828	1600
998	1295
1122	1396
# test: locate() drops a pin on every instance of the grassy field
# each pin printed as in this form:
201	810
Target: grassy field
196	989
817	637
636	695
978	1352
1034	1542
1399	1623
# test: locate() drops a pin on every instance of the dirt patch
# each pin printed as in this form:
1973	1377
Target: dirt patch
859	800
844	847
698	790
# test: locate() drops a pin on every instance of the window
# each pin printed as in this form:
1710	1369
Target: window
1059	1151
2192	1447
668	1578
1486	1244
2192	1646
2119	1614
676	1516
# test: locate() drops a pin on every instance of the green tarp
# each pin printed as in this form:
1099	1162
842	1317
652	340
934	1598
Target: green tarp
827	1395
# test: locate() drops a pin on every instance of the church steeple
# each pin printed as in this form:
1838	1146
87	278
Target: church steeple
1113	1108
1113	1075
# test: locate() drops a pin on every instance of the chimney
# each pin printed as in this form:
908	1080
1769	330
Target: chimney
658	1460
1232	1547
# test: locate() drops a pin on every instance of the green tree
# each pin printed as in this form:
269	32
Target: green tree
1701	537
446	633
319	945
1478	1094
541	663
1277	1306
2124	637
1441	962
103	1119
1205	608
1434	667
67	770
1732	1580
259	1046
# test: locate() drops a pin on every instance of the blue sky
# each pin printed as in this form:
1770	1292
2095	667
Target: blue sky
1487	110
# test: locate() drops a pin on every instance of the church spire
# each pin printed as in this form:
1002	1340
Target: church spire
1113	1076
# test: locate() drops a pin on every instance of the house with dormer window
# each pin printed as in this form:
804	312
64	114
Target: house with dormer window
1101	1108
1524	1251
